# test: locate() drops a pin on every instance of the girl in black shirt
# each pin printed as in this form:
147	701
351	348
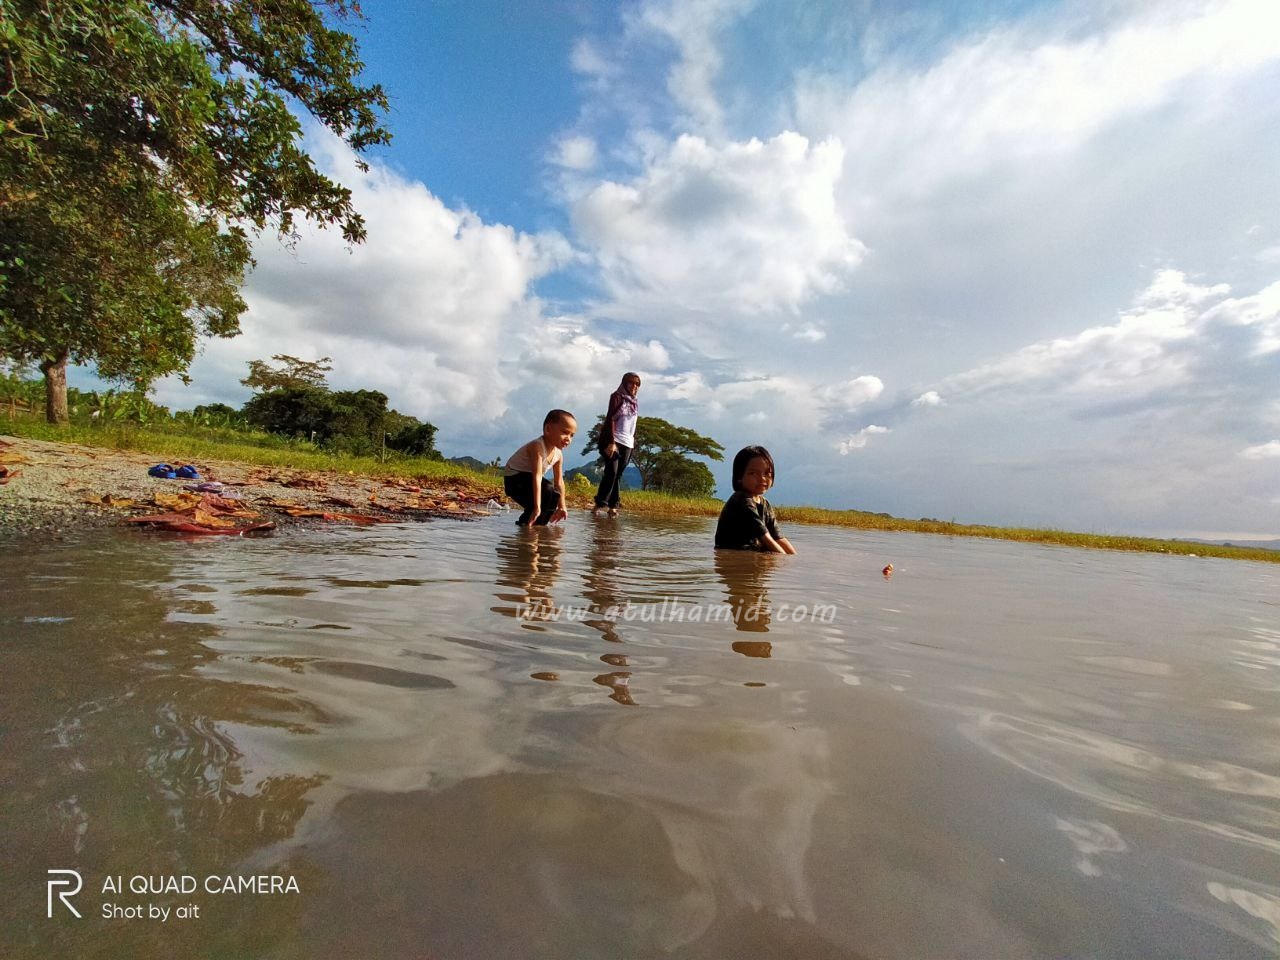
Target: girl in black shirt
747	521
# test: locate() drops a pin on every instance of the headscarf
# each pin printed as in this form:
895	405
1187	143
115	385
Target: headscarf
621	401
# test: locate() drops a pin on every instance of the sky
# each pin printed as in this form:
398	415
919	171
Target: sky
1005	262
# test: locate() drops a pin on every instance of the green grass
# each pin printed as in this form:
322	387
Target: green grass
880	521
182	444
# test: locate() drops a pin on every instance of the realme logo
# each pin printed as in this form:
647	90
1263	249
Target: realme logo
65	878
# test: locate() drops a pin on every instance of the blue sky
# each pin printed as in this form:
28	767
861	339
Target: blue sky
1002	262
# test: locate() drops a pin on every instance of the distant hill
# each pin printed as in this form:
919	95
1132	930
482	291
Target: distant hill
471	462
593	471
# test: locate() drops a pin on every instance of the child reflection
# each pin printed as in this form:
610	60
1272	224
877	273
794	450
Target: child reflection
529	564
603	593
600	581
745	575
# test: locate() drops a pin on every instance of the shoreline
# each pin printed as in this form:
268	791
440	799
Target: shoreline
56	487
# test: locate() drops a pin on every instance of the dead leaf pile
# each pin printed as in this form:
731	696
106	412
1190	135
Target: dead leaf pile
205	513
301	510
8	457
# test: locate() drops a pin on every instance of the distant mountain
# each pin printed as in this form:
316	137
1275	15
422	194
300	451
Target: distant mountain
471	462
593	471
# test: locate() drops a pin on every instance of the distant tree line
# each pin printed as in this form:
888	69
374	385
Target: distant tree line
294	400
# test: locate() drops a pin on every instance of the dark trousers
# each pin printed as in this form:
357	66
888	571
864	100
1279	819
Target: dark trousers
519	488
607	495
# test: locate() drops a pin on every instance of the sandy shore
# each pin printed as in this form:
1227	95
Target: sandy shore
55	489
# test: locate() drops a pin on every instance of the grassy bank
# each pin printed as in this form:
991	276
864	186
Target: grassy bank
209	443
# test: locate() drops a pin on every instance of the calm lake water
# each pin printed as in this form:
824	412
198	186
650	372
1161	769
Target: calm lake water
1002	751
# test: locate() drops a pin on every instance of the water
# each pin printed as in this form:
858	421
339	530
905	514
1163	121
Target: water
1003	750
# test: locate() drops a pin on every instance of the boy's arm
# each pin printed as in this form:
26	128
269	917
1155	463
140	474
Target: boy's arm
557	473
538	468
786	546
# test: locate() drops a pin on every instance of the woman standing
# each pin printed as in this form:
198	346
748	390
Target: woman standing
617	440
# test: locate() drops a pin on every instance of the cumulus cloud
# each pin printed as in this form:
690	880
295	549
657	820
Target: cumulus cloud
693	26
1148	348
690	392
930	398
860	439
1019	93
421	310
582	365
1259	313
1262	451
851	394
744	227
574	152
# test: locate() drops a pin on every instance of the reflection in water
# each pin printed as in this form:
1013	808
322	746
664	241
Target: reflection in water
679	835
619	681
120	759
1014	751
529	561
745	576
601	579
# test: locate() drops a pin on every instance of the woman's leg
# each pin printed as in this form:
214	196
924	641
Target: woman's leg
620	464
609	479
519	488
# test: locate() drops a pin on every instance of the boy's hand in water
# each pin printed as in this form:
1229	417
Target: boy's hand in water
560	514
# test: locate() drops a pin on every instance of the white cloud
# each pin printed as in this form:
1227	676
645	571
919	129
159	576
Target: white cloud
852	393
574	152
746	227
581	367
1018	94
860	439
694	26
420	311
587	60
1260	313
929	398
1142	351
806	332
1263	451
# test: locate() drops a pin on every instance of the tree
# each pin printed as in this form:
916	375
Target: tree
354	421
675	473
661	455
142	140
417	440
263	378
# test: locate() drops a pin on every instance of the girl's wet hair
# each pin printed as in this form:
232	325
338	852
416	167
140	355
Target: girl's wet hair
744	457
558	416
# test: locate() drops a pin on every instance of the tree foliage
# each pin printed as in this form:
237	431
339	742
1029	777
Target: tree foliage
663	456
353	421
292	372
142	141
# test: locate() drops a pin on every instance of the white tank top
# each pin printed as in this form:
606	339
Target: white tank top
522	460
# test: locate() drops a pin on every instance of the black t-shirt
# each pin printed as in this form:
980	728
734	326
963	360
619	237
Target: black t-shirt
743	523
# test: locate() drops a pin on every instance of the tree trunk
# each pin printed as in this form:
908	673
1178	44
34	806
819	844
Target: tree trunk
55	387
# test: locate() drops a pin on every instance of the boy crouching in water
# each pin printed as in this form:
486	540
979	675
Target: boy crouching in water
523	479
